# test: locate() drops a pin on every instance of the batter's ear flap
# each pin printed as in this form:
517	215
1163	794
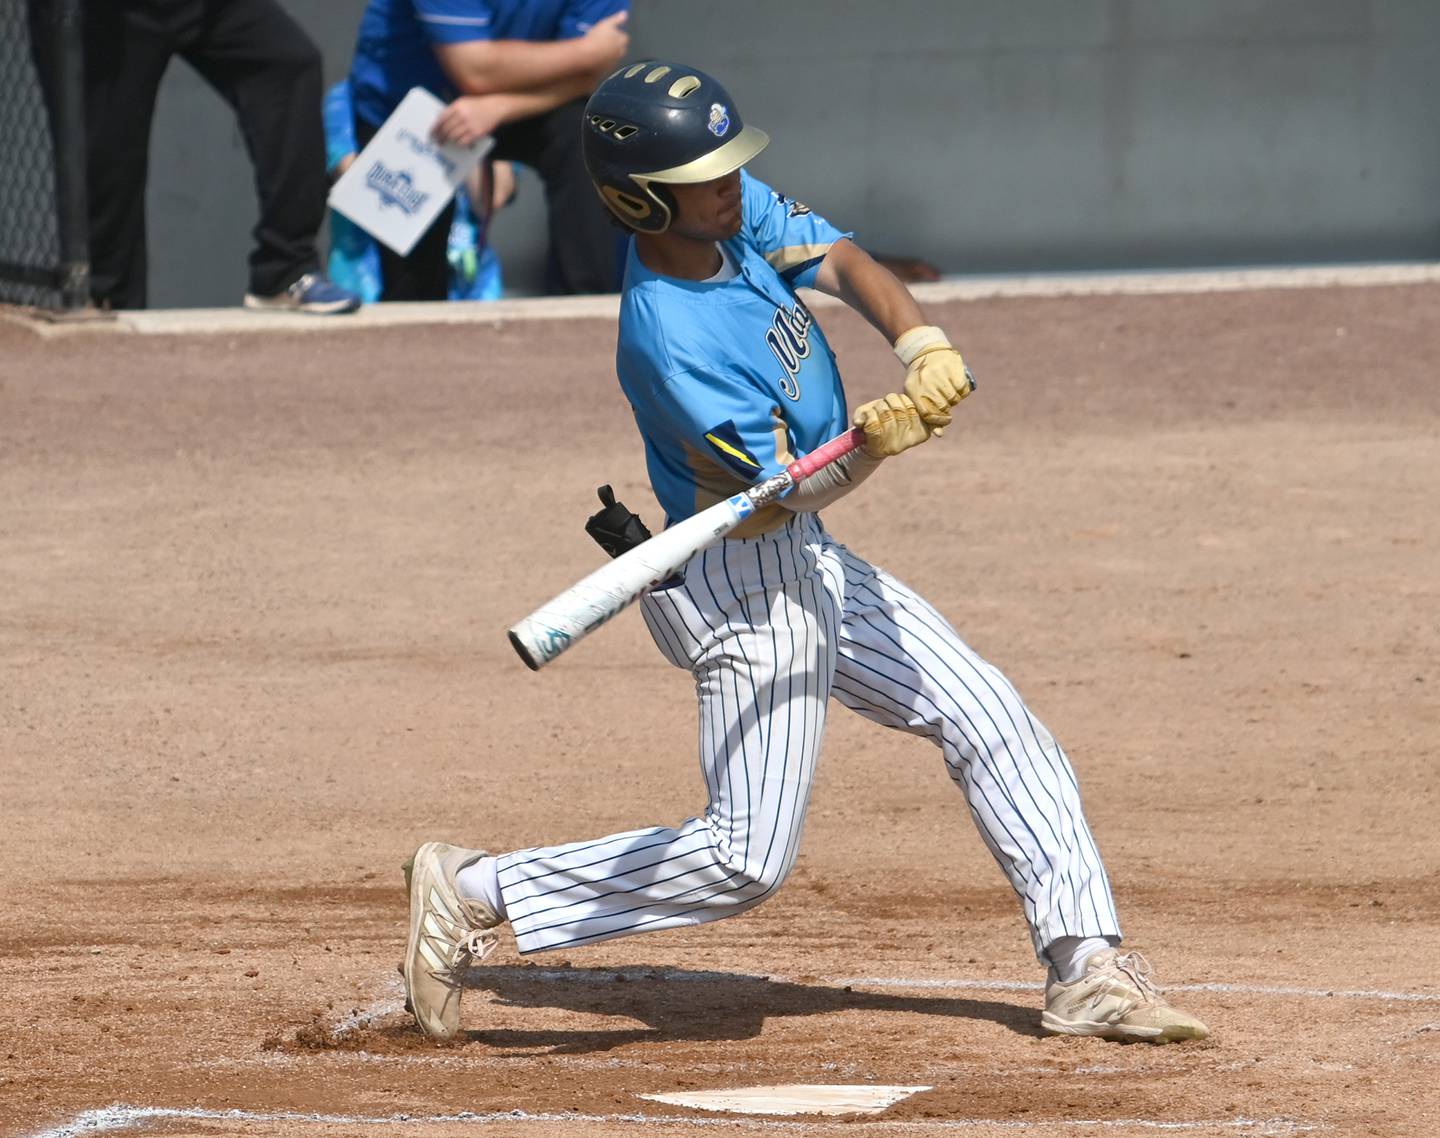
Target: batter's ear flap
628	206
650	214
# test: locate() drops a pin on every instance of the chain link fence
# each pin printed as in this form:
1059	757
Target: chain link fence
43	244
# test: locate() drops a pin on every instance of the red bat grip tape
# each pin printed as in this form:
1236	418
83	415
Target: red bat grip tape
823	455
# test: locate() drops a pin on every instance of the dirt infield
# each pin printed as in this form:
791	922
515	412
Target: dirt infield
253	594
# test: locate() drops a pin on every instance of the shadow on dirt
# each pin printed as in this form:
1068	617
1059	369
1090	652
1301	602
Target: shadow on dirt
679	1004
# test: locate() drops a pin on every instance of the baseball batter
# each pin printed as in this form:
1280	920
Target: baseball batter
730	378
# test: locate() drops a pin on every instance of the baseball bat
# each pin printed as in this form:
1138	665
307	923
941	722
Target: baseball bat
585	606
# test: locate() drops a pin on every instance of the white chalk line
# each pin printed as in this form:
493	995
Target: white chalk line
670	976
112	1118
609	976
1238	989
125	1117
392	1004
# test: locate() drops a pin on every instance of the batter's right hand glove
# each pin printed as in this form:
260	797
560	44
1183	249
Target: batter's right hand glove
891	425
936	378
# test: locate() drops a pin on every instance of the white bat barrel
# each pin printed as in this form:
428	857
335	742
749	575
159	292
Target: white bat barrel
584	607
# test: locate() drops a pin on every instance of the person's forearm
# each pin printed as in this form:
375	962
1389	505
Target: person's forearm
831	483
527	104
872	290
487	67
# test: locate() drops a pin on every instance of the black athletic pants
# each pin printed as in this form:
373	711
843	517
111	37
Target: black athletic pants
583	242
261	63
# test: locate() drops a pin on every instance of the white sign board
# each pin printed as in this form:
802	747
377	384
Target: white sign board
400	182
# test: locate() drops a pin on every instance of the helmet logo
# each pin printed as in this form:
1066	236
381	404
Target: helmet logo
719	119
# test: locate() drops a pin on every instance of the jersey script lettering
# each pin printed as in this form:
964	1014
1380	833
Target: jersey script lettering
789	340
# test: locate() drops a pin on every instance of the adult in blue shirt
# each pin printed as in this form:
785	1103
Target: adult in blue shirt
519	70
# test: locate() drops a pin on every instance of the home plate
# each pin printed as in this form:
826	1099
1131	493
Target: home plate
797	1098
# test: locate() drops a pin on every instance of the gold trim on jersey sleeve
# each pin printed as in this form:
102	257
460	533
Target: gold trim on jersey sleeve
782	438
791	255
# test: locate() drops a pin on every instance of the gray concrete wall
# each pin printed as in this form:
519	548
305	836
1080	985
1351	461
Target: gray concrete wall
988	135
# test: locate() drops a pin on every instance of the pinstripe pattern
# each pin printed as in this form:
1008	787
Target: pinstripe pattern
772	627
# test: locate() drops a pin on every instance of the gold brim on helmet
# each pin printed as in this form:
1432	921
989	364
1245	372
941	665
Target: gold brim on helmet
716	164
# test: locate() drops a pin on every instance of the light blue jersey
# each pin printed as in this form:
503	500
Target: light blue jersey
731	381
727	379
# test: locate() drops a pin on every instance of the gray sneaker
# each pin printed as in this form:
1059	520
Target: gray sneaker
447	933
311	293
1116	999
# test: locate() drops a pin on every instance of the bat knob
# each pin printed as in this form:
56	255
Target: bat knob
524	652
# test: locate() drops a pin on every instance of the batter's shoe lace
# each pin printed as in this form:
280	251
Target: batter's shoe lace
447	933
1116	999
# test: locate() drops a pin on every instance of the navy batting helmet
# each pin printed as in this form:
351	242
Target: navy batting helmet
655	123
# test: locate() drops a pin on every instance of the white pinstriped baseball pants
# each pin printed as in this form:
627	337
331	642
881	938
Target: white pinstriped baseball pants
772	628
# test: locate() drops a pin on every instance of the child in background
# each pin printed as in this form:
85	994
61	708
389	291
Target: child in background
354	258
474	264
354	261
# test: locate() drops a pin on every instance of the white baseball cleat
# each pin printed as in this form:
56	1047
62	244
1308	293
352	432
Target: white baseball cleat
447	933
1116	999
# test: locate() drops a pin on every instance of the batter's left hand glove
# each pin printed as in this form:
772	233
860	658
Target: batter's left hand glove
936	378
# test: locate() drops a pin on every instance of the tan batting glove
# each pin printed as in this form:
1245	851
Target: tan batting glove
891	425
936	378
